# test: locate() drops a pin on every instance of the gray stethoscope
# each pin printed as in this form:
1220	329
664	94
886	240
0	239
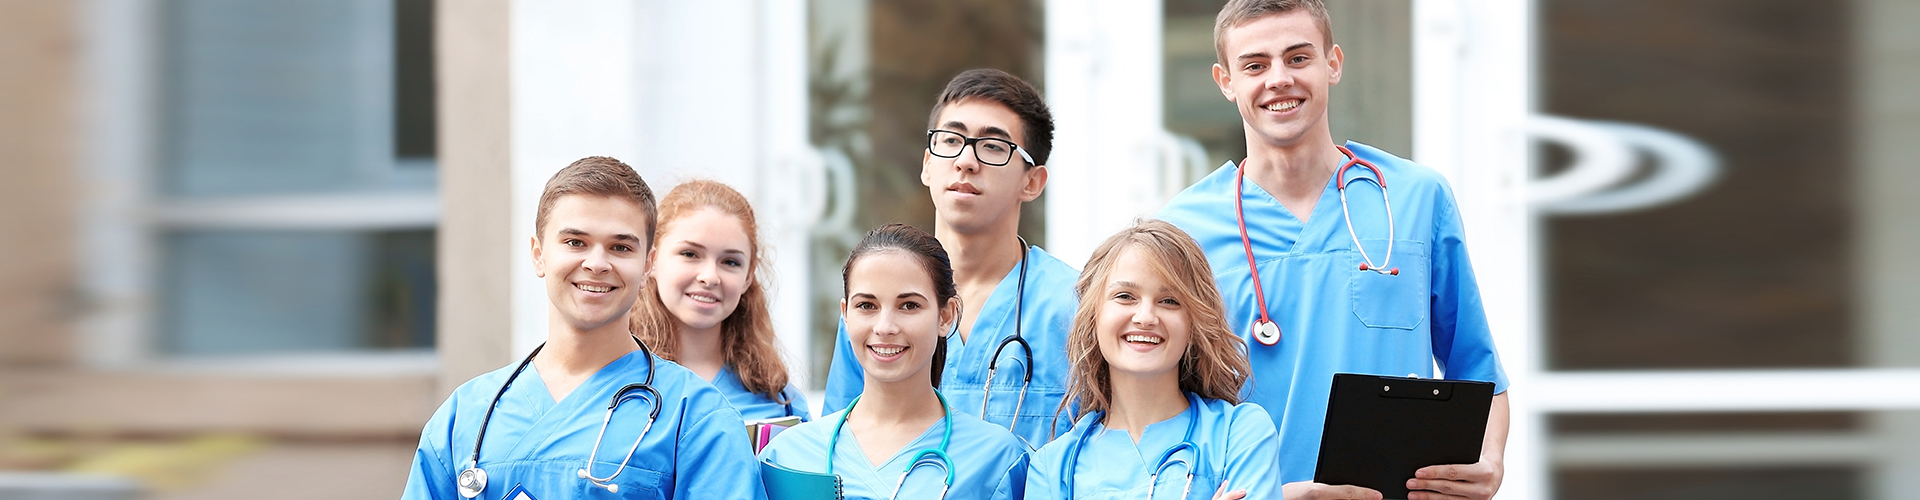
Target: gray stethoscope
936	457
993	363
1166	459
1264	329
473	480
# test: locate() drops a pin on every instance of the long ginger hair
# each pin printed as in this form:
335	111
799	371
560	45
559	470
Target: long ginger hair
746	336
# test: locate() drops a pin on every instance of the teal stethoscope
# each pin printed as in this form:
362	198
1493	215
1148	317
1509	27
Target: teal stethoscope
993	363
473	480
931	456
1264	329
1166	459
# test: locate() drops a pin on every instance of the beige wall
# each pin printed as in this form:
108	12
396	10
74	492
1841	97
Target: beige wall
38	301
475	232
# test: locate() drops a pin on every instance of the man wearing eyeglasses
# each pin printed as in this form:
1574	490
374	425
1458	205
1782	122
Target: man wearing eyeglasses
986	154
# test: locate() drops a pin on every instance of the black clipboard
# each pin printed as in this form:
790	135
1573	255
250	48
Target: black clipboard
1380	430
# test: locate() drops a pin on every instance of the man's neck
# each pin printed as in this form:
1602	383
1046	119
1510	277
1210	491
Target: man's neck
981	258
1295	174
573	354
1142	401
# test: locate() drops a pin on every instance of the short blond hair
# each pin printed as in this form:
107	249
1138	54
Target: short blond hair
1240	12
1214	366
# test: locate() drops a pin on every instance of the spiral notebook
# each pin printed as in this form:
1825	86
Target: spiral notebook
787	484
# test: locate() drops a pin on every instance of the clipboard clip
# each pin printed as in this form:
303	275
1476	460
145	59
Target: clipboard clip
1414	388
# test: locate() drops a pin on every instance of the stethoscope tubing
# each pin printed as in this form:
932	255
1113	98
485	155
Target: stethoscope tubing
472	481
993	362
653	415
1186	443
1340	183
921	458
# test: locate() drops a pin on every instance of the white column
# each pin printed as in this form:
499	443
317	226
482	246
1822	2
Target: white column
1473	91
1887	118
655	84
573	95
1104	79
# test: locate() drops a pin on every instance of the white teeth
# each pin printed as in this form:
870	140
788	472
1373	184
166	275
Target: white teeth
703	299
887	351
1142	338
1283	105
596	289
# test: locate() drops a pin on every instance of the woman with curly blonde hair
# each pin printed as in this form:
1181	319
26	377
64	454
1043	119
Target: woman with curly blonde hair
705	306
1157	377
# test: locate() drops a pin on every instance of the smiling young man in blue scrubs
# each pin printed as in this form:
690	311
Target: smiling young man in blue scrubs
1278	64
540	426
985	156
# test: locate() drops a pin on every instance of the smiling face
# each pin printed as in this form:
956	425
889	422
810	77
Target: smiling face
1141	326
1278	73
969	196
700	268
591	256
893	317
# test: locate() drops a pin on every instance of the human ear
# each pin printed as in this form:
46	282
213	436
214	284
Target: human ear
950	314
538	269
1337	60
1036	183
1222	78
926	162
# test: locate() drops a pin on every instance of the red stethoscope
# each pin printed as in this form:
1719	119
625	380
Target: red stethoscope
1264	329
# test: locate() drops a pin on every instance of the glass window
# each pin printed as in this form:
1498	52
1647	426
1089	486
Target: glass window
876	69
269	101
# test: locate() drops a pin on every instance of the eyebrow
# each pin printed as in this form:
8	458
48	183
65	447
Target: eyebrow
1122	284
984	131
1263	55
617	237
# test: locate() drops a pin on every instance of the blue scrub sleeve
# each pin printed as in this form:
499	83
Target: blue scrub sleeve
716	459
1462	338
1041	482
845	379
1013	484
428	478
1253	454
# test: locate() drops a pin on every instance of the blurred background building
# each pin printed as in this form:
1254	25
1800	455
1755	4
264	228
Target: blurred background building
251	244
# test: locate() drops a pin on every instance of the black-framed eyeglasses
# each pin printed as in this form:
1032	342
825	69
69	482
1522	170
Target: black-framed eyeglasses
989	150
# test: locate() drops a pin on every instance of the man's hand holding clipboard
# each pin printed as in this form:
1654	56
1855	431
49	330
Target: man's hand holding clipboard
1403	438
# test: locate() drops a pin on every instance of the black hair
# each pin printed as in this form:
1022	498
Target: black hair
933	259
1010	91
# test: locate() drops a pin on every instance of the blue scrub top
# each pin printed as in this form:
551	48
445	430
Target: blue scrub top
1047	315
695	449
1332	316
1237	445
757	406
988	462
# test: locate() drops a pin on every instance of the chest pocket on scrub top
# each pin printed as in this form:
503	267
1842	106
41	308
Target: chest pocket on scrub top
1386	300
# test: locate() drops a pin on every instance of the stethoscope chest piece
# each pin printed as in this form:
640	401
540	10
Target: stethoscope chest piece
472	481
1267	333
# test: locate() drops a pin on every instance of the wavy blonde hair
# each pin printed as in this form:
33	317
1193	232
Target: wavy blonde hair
1214	365
746	336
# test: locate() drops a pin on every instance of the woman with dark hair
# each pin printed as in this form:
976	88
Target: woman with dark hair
705	306
1157	377
900	438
